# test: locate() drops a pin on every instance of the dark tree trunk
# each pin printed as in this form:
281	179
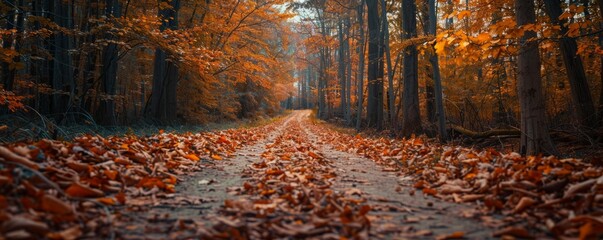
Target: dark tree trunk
601	71
437	80
375	84
163	103
581	96
348	76
109	80
534	132
360	76
412	116
9	70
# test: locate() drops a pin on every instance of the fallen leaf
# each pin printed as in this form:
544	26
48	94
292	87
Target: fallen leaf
79	190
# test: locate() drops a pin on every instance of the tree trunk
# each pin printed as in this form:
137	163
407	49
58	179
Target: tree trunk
62	66
601	70
535	136
390	74
437	80
165	75
360	76
375	84
109	79
581	96
412	115
341	69
8	70
348	76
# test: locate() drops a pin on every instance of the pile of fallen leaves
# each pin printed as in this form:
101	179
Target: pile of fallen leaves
288	195
563	197
64	190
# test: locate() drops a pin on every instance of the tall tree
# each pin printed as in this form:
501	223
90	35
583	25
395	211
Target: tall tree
165	75
411	111
341	68
62	65
375	84
600	110
348	75
360	76
534	132
109	73
581	96
391	98
437	80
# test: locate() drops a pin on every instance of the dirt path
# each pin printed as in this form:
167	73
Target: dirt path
244	196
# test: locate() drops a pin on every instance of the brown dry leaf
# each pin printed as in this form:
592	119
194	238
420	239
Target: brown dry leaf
519	232
454	235
71	233
576	188
523	203
11	156
21	223
54	205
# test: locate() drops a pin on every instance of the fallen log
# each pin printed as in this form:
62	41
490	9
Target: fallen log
485	134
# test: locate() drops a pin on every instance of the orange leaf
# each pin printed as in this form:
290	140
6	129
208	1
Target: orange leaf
216	157
78	190
454	235
430	191
111	174
107	200
314	155
121	197
192	157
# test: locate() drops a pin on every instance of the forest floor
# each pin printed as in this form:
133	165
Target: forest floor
292	178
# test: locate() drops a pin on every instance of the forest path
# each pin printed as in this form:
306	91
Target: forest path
244	196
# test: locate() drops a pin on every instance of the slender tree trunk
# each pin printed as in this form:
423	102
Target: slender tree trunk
390	74
437	80
412	116
534	132
8	72
341	69
360	76
581	96
375	84
348	54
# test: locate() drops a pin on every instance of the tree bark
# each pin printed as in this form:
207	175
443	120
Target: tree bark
581	96
360	76
600	123
412	117
390	72
341	69
163	104
535	137
437	80
375	84
109	80
348	110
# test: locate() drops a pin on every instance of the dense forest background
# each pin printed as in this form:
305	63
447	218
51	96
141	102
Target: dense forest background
163	62
480	67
